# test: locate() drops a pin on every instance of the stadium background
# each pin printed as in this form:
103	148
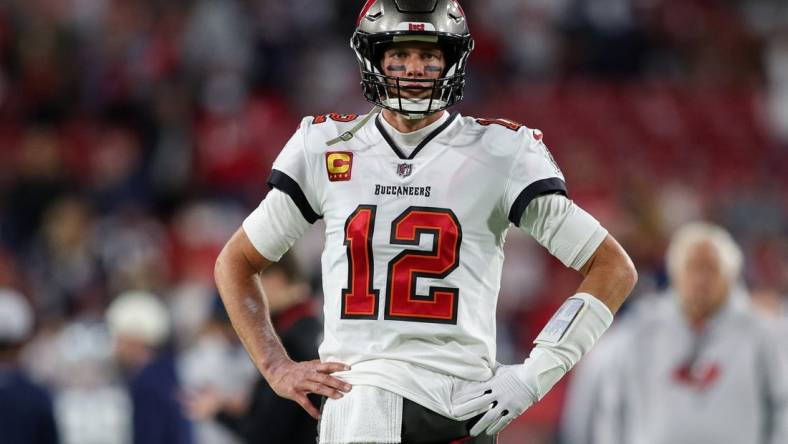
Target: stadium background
135	136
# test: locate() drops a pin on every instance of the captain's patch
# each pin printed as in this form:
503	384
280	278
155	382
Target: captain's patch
339	165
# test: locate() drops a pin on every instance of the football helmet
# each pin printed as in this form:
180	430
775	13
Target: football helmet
383	22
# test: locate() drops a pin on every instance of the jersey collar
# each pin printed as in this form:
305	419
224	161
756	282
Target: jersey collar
425	141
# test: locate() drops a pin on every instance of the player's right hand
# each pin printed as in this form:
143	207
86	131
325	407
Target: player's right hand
294	380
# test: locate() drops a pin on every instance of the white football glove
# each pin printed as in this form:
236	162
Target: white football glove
506	394
571	332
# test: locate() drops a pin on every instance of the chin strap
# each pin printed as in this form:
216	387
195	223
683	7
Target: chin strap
414	109
347	135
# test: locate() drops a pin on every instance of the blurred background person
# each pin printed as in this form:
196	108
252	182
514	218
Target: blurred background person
262	415
140	327
216	372
696	365
26	414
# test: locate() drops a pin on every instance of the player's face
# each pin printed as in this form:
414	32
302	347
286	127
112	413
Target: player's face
701	282
413	60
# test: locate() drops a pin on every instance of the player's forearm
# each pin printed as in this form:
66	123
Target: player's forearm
571	333
242	294
609	275
584	317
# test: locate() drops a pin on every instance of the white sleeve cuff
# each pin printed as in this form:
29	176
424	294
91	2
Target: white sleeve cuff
566	230
275	225
566	338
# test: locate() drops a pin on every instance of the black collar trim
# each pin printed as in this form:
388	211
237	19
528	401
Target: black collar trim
421	144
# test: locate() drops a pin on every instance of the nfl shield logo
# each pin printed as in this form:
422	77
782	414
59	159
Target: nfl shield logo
404	169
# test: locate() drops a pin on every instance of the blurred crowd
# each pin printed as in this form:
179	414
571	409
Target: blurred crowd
135	135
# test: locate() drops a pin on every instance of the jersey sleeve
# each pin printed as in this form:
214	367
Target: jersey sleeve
566	230
534	172
275	225
291	174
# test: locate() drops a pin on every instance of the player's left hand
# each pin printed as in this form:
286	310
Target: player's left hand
506	394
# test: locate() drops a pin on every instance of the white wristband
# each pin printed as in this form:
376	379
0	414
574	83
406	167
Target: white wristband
569	335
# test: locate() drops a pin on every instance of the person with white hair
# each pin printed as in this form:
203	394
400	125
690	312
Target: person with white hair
26	414
695	366
140	327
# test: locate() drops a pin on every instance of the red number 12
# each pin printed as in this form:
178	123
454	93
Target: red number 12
360	299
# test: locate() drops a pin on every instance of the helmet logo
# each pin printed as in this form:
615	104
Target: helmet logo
415	26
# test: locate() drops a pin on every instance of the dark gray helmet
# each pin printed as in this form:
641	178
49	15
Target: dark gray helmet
383	22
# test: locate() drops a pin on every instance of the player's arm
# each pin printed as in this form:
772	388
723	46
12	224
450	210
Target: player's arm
580	242
609	274
272	228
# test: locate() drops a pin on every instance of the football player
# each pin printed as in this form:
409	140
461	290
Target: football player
416	203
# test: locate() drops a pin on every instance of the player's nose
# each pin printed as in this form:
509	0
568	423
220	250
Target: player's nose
414	67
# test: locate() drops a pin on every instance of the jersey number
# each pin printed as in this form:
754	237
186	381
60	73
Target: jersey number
514	126
360	299
336	117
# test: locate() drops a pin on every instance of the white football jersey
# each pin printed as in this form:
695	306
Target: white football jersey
414	244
